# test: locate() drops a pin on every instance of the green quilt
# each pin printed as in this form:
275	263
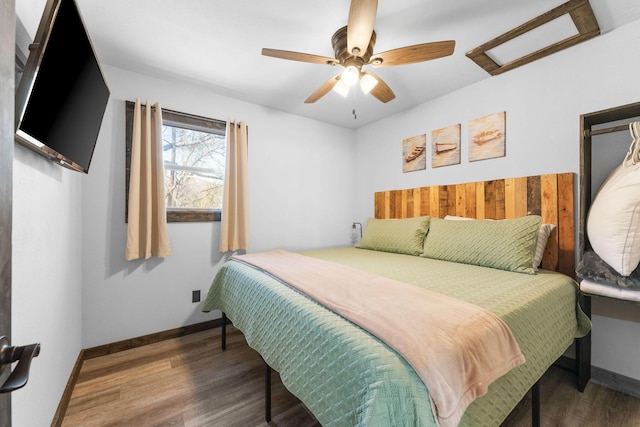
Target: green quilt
347	377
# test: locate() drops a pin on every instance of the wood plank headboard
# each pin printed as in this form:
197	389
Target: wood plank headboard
550	196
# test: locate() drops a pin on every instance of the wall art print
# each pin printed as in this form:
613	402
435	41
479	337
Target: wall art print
445	146
414	156
487	137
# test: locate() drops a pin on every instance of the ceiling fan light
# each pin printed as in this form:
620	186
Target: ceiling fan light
350	76
368	82
341	88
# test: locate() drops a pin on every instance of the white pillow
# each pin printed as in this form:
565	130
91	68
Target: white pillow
613	223
543	236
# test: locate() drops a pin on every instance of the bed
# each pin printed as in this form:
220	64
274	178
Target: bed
346	375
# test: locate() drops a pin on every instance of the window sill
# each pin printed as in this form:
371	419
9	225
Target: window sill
193	215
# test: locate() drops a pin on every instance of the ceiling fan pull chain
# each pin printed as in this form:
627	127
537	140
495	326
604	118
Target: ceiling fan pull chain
355	116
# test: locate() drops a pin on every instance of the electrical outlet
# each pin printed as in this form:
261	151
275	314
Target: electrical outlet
195	296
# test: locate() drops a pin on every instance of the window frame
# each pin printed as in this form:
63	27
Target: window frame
189	121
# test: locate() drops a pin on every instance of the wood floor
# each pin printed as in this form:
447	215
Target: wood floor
190	381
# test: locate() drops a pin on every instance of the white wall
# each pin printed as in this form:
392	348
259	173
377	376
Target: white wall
47	284
300	197
543	102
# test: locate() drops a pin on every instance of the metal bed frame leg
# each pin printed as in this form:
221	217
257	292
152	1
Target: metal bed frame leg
267	392
267	373
224	331
535	404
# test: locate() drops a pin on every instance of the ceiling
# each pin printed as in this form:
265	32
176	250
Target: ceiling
218	43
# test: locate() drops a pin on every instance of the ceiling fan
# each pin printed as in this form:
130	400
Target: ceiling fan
353	48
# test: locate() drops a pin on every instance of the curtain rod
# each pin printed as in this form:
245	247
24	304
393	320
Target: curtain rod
589	132
180	113
191	116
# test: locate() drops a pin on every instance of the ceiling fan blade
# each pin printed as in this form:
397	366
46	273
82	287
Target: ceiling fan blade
412	54
324	89
297	56
362	17
381	90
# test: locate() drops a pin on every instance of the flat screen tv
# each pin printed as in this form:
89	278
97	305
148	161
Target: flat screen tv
62	95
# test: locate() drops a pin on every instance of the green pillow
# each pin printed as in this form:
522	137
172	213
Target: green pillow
507	244
402	236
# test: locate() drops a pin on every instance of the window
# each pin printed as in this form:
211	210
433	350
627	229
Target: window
194	152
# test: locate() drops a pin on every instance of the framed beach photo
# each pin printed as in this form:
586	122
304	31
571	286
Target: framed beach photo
487	137
445	146
414	156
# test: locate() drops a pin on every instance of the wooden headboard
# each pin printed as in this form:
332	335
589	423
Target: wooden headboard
550	196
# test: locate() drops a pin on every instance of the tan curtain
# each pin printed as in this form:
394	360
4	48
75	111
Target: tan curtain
234	229
147	231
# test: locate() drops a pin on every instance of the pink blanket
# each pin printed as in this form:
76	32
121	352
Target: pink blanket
456	348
